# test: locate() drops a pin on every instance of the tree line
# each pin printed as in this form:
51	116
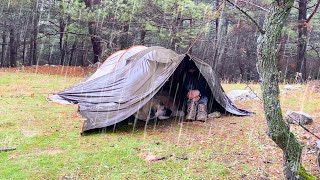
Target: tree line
84	32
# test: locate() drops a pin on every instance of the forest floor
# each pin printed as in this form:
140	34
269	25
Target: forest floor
49	145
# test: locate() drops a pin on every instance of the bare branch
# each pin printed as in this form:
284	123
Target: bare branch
314	12
246	14
256	5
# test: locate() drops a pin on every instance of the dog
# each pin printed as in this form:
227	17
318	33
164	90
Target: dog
161	106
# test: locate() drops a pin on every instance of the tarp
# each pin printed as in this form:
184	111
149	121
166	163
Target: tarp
128	80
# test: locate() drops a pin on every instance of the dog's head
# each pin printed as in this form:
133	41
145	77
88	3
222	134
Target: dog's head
162	112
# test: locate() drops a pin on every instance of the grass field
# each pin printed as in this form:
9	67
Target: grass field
49	146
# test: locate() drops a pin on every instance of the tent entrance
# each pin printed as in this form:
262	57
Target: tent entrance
175	87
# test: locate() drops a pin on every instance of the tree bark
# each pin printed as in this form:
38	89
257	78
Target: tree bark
302	39
13	47
278	129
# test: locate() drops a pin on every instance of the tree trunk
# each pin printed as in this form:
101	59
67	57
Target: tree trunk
62	28
3	53
278	129
24	48
142	35
33	47
191	40
93	32
220	40
73	49
282	48
31	50
124	38
281	56
65	49
95	40
81	54
13	47
302	39
222	46
175	28
84	54
217	19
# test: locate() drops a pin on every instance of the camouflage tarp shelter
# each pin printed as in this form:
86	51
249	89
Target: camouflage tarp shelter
128	79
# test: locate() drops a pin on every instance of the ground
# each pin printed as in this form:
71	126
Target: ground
49	145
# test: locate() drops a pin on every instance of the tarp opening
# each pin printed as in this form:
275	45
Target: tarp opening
176	91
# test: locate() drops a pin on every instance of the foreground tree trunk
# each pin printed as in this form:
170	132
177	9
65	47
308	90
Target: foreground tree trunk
278	129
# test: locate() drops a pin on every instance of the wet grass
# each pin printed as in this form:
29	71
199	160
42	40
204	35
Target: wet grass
49	146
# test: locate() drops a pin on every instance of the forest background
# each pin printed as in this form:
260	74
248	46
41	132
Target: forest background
84	32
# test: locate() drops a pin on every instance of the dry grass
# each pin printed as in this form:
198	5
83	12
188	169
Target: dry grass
67	71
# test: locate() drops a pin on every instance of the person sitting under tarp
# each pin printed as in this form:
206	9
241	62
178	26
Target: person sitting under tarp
195	86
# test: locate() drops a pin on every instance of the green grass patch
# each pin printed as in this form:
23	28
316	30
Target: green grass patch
49	146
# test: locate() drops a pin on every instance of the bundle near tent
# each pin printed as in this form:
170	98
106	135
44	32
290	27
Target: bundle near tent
130	78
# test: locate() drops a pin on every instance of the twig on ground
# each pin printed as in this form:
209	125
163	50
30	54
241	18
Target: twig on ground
181	157
303	127
253	92
7	149
162	158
